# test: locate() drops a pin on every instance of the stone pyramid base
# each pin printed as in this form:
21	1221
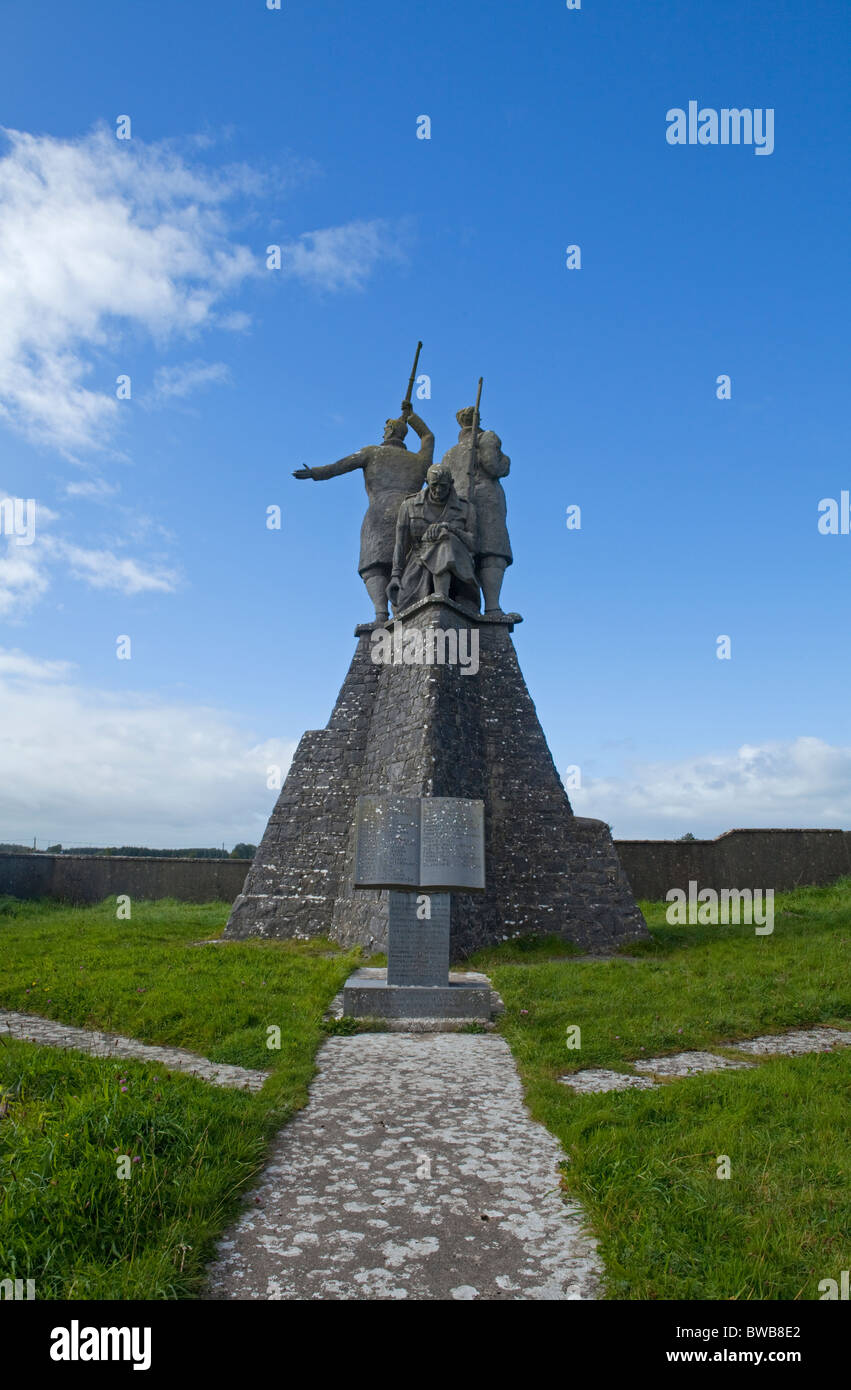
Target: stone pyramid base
436	729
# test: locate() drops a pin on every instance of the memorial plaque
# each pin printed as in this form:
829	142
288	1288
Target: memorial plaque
409	842
452	844
418	948
387	851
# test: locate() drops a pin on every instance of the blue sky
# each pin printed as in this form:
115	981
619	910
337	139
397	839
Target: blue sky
297	127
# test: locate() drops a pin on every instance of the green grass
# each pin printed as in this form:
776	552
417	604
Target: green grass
67	1220
643	1163
145	978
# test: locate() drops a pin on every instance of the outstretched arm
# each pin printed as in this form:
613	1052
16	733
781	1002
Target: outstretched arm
333	470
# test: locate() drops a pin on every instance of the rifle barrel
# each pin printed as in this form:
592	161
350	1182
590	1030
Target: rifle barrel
473	443
412	377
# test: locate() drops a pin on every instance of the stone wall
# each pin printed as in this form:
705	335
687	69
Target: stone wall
779	859
89	878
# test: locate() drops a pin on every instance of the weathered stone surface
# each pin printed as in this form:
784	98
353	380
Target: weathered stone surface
49	1033
418	951
799	1040
433	843
364	997
452	851
387	842
426	1024
778	859
687	1064
598	1079
434	731
300	864
414	1173
89	878
792	1044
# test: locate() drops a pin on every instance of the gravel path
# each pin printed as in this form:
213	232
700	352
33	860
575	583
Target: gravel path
792	1044
31	1028
414	1172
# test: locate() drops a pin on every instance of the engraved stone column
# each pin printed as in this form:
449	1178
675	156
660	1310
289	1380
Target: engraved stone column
419	848
418	946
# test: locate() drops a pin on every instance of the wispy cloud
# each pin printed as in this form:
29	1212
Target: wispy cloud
187	378
103	238
98	237
342	257
21	665
24	578
86	767
103	569
803	781
28	570
92	489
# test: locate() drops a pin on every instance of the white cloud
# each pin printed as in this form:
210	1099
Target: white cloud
83	766
92	489
801	782
22	515
101	239
20	664
23	578
237	322
27	569
98	236
102	569
341	257
186	378
24	574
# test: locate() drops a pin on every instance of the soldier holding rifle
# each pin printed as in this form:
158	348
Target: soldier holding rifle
477	463
391	473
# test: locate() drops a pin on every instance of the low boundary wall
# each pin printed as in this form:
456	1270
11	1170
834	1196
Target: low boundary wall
89	878
779	859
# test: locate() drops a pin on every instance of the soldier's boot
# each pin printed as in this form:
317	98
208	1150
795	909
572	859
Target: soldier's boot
376	587
491	576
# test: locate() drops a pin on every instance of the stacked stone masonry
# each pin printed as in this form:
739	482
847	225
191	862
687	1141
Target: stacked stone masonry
431	730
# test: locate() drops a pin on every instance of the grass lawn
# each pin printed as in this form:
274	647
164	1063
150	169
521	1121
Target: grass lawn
66	1219
644	1163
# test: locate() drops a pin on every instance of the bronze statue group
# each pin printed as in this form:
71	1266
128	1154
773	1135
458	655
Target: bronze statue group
448	537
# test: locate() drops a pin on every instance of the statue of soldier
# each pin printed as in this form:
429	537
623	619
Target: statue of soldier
390	474
493	549
435	538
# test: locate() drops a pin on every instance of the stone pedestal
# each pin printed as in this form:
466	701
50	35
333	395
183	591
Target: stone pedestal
437	730
365	996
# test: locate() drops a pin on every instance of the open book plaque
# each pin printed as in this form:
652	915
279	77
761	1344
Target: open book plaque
410	842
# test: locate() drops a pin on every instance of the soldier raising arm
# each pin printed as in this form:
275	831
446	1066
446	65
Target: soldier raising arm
393	438
391	472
